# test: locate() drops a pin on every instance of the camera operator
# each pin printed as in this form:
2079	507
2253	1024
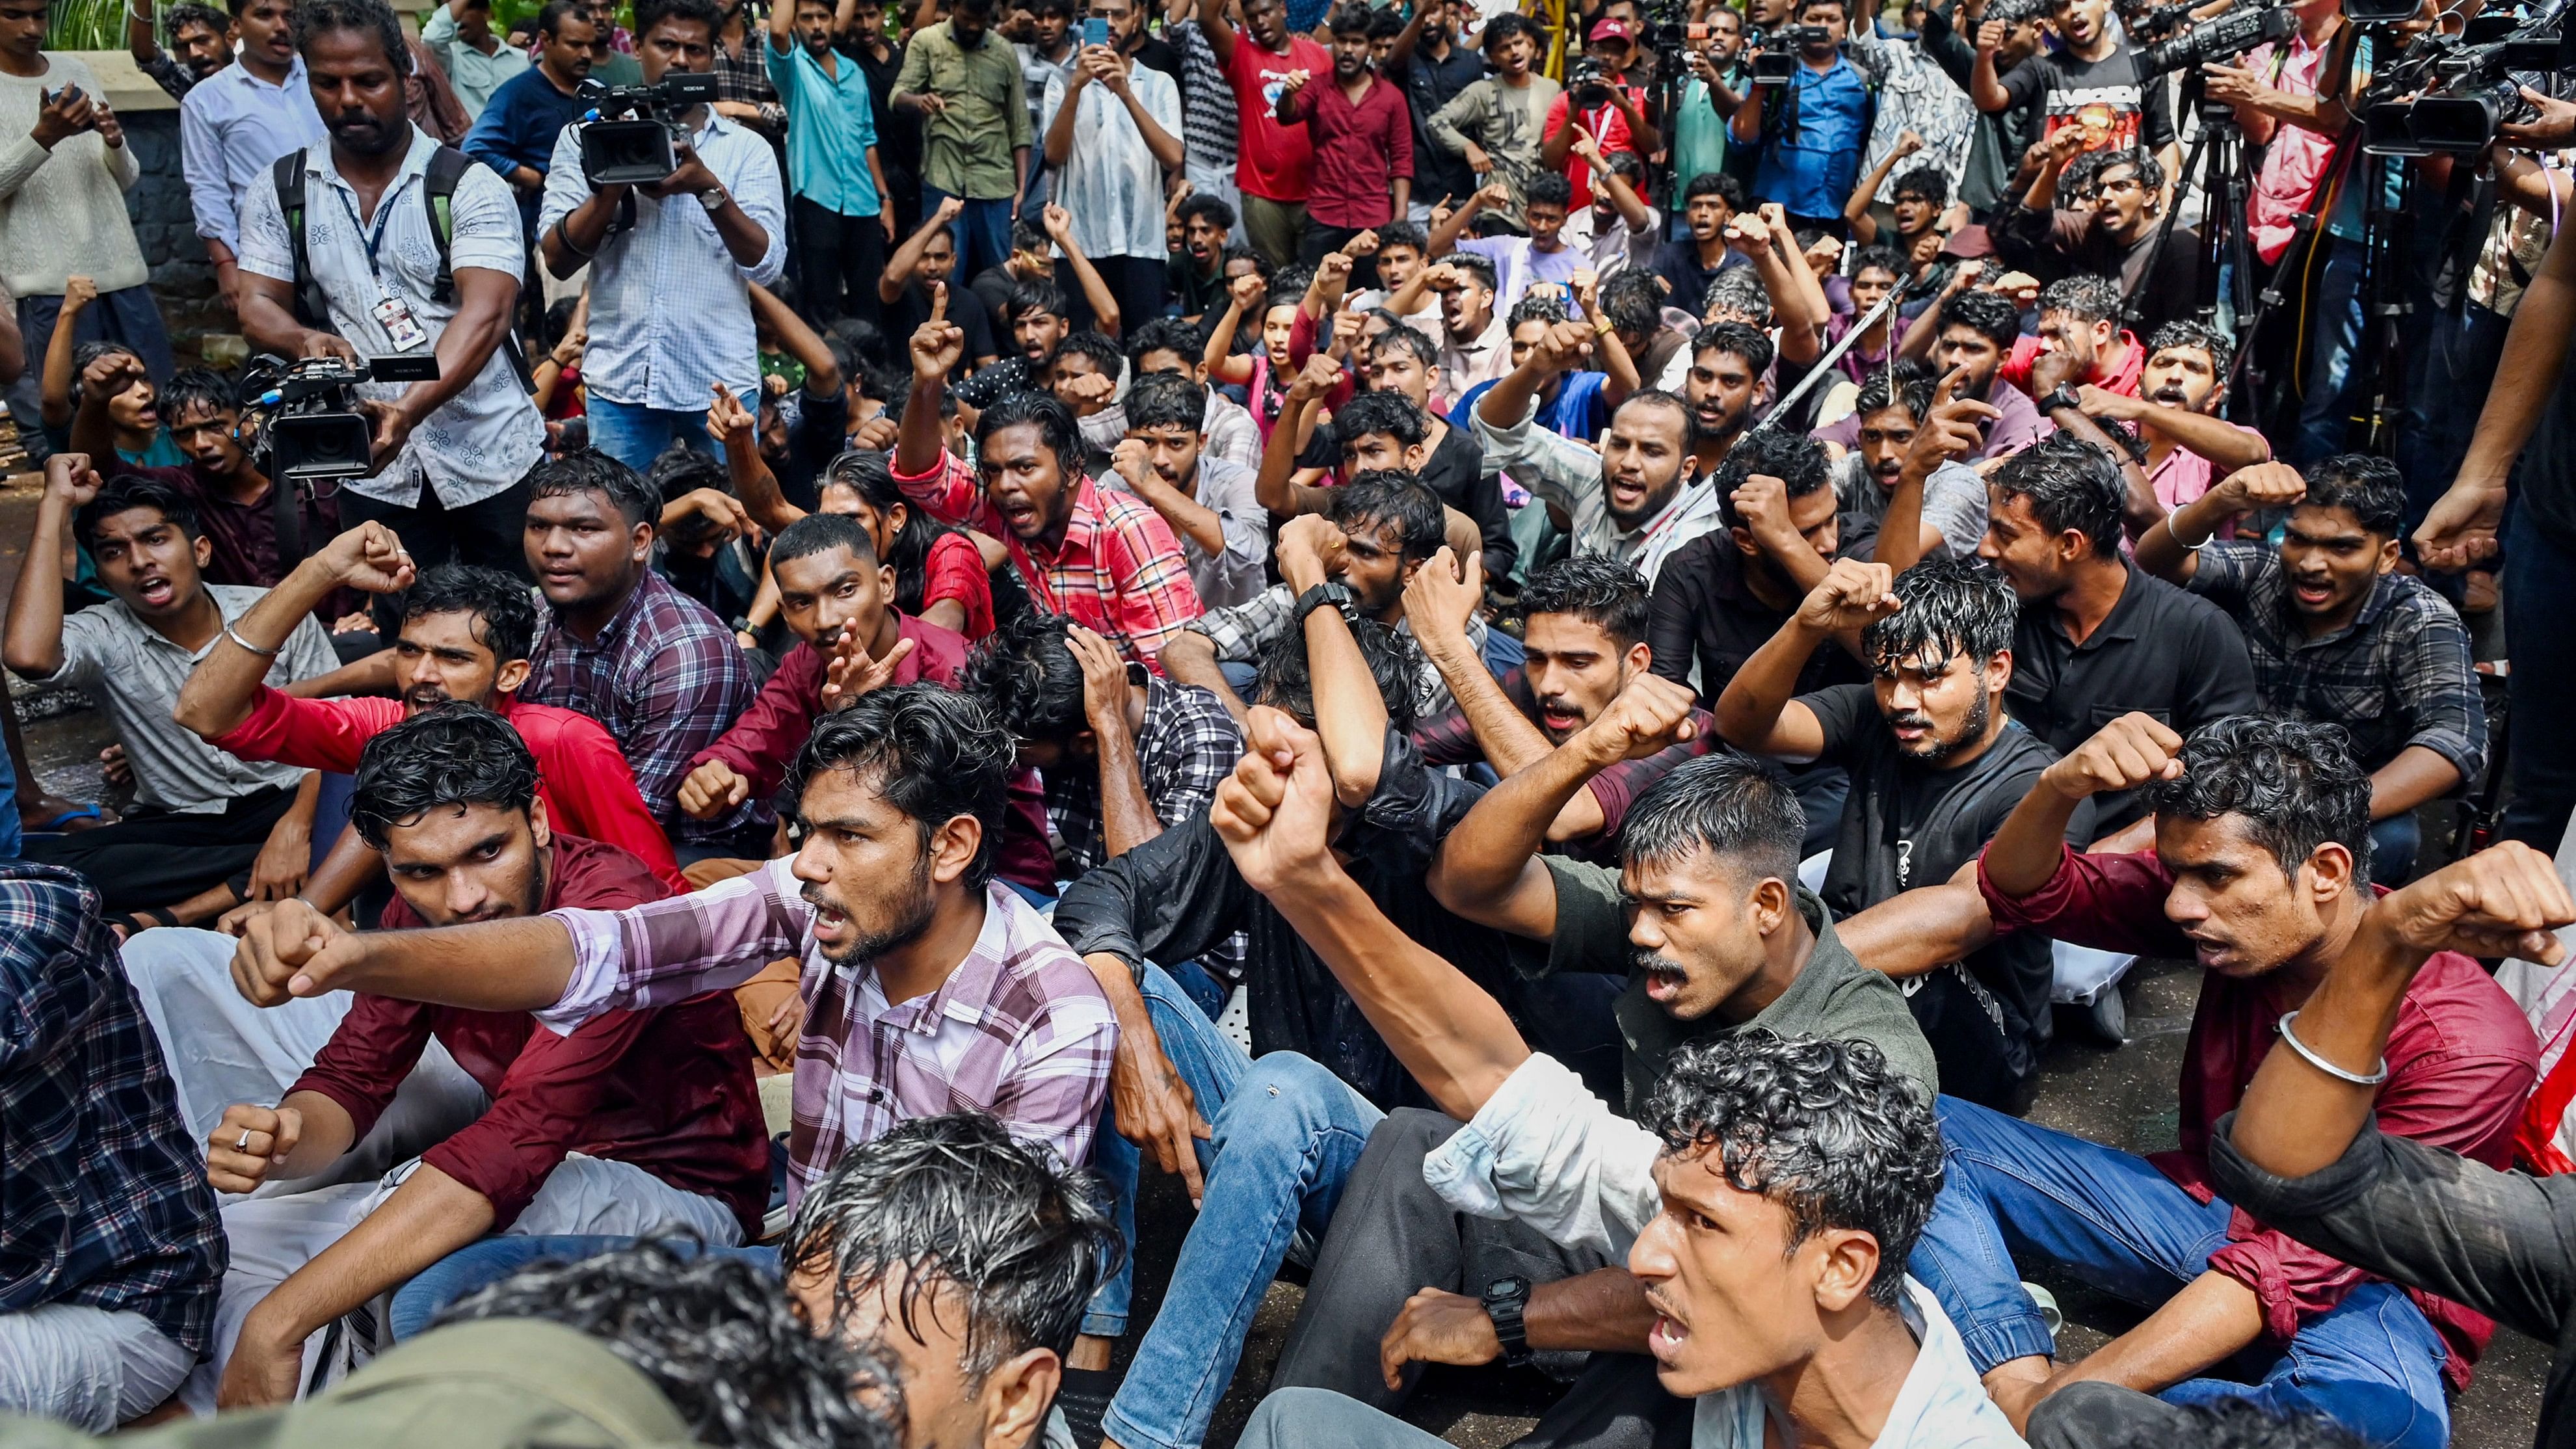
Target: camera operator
685	247
1812	126
449	453
1602	99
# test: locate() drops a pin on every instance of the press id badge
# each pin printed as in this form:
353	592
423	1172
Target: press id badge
394	315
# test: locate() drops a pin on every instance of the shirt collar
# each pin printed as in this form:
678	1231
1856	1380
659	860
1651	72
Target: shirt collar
2285	619
2124	621
241	76
318	162
1082	528
618	623
968	991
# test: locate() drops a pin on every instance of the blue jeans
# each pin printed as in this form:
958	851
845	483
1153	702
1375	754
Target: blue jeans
479	1265
981	233
2393	843
635	435
2334	337
2539	596
1287	1134
2014	1192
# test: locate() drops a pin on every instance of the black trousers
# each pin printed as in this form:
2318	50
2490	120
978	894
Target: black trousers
491	533
838	259
1321	240
1391	1237
1135	283
159	858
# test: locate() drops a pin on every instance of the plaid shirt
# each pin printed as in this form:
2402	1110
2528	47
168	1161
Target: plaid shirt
1188	746
667	680
2399	674
1020	1029
1241	633
1118	571
744	76
103	1201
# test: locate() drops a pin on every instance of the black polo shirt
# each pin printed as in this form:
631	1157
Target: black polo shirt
2162	652
1705	613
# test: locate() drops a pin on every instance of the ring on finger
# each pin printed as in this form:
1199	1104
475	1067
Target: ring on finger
244	1144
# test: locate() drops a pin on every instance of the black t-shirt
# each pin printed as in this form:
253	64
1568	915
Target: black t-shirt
898	132
1704	612
1430	83
1155	53
964	308
817	436
2115	105
2544	486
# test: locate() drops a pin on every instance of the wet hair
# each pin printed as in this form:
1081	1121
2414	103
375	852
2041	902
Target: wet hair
1927	182
871	476
1349	20
499	600
91	351
1026	675
588	470
1547	188
314	19
2019	12
2371	489
1732	806
1950	607
716	1337
956	1202
1886	259
2085	297
821	533
1735	339
650	13
1099	347
1632	302
1035	294
1391	413
932	753
2193	335
1534	306
1907	383
2222	1423
1609	595
1286	679
1991	314
199	387
1392	498
1054	422
1166	400
1408	339
1827	1129
1402	233
1214	208
1718	184
1797	460
1479	267
1166	334
127	491
2293	782
2071	484
449	754
1738	290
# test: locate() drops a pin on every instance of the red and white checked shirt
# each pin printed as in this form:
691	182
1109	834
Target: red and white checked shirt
1020	1029
1119	571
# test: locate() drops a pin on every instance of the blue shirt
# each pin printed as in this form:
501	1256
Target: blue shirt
830	130
1811	172
518	127
1579	411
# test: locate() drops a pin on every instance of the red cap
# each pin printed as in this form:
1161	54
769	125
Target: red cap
1612	28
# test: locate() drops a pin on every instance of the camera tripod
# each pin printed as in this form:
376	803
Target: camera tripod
2215	167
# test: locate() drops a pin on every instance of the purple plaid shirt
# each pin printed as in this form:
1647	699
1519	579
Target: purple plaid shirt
665	679
1020	1029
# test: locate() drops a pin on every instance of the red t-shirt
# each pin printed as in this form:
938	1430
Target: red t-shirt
1273	159
955	570
1607	127
2122	378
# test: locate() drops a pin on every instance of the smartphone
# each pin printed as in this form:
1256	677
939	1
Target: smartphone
1095	31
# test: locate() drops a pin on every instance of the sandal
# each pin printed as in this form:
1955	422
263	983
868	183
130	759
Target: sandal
64	821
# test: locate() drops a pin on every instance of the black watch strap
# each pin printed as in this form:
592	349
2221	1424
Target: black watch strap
1504	1300
2063	395
1337	595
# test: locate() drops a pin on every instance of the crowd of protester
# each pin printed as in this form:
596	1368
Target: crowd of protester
1543	652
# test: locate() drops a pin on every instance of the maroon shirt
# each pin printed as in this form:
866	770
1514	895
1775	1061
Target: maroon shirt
2460	1062
667	1089
1359	149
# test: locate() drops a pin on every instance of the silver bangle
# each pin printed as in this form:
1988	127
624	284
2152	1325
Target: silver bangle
234	636
2290	1039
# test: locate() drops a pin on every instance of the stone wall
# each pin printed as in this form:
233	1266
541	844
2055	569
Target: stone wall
182	279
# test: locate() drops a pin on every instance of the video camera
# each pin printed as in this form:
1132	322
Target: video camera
1588	81
630	130
315	430
2223	38
2451	93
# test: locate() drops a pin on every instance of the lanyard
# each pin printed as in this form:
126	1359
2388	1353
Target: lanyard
384	214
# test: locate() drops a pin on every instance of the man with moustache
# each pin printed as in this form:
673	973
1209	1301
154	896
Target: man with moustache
2101	212
2188	446
1906	438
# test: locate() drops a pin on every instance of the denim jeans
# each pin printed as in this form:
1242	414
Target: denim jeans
635	435
981	233
2539	595
1287	1134
2017	1194
479	1265
2334	341
1294	1418
2393	845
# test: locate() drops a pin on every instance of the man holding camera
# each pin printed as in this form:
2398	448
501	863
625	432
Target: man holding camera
1810	119
671	261
449	452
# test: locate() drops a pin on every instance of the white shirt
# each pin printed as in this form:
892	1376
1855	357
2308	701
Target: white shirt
1613	247
1568	474
1110	182
232	128
489	433
670	309
1545	1152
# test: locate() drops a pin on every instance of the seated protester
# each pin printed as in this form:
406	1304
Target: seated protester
801	428
1584	638
2337	634
1935	766
2080	341
2259	872
466	637
1724	594
207	831
2178	392
1573	404
1086	371
920	281
1633	304
1374	533
1257	360
617	642
1034	320
1032	259
1377	431
1618	230
110	1295
1903	446
1209	502
927	985
2098	637
1542	259
1404	362
1403	252
1123	761
2101	213
1916	198
127	399
696	537
1475	345
1876	271
1725	363
1970	333
1103	558
2310	1153
1839	1309
1635	497
1688	264
1195	275
633	1120
1175	345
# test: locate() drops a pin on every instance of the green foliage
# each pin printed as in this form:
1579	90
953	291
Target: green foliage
88	25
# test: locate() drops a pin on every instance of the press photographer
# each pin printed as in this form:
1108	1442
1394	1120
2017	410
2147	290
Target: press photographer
671	261
1810	115
344	255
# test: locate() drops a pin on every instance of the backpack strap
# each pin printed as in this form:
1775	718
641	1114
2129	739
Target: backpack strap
447	168
287	176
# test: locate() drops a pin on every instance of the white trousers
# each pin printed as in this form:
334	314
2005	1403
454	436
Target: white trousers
91	1368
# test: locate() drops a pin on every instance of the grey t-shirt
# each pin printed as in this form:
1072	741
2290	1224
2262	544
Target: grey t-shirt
1954	501
1833	995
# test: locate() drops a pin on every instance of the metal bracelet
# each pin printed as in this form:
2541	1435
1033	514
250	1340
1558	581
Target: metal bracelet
2290	1039
234	636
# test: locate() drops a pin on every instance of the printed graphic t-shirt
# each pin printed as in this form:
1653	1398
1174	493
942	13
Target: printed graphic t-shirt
2113	104
1273	160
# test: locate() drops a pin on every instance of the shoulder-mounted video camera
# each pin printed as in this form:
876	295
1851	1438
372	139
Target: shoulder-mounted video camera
2450	93
2224	37
629	131
315	430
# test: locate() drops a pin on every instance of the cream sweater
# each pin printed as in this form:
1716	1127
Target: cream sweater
64	211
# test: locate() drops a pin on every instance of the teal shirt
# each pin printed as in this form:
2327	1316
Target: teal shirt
829	131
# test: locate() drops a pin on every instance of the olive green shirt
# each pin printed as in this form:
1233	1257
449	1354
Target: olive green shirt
1833	995
966	149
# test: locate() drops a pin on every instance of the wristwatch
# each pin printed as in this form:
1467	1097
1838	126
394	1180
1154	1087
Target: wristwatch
2063	395
1337	595
1504	1299
714	198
